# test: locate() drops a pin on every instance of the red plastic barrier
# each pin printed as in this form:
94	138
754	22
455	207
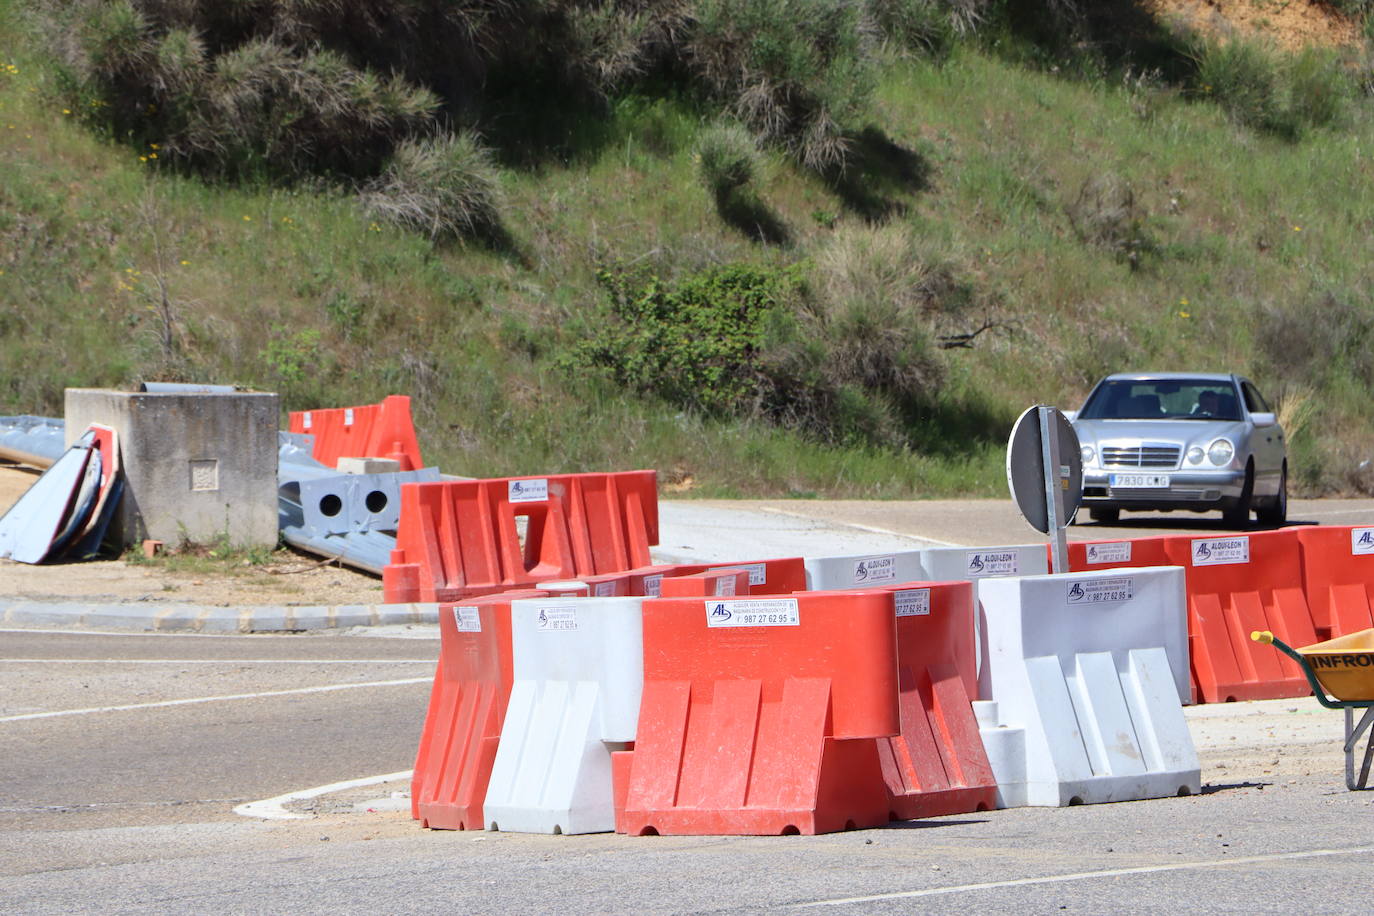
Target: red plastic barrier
758	715
1088	556
937	765
713	583
771	577
458	538
1338	576
1238	584
467	706
383	430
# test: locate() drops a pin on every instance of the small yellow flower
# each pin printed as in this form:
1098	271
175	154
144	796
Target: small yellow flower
1183	302
154	146
1297	228
247	219
142	158
152	155
184	263
1185	315
66	111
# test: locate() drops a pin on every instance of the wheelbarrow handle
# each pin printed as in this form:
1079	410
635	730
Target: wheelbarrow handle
1269	638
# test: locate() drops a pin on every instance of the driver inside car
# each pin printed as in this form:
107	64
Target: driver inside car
1208	403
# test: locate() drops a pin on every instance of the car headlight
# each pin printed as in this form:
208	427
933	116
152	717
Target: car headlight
1221	451
1087	454
1195	454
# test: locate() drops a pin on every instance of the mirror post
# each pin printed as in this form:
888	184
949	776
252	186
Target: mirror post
1049	459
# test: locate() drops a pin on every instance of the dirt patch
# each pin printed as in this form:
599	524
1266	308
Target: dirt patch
1291	24
287	578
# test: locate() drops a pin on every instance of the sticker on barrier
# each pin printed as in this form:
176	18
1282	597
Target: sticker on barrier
863	571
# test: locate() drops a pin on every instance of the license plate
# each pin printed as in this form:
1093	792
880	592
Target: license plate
1139	481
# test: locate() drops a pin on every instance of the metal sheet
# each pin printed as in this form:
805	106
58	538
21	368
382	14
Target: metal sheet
27	530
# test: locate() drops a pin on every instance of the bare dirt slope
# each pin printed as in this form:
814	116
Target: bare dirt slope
1290	24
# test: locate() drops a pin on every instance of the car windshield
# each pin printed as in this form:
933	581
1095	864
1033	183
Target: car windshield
1162	399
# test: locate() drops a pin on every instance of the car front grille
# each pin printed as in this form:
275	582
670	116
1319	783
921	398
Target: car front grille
1141	456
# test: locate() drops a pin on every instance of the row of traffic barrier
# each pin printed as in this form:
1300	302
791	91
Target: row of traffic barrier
1303	584
384	430
700	711
459	538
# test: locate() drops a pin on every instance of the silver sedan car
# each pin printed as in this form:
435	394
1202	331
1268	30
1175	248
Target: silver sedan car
1182	440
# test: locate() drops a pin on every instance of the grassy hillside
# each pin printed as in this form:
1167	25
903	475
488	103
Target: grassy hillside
1082	224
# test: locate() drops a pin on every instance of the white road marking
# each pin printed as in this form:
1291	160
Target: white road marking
162	635
218	661
869	528
1091	875
329	688
275	808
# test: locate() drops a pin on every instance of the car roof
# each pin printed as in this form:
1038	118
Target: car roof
1168	376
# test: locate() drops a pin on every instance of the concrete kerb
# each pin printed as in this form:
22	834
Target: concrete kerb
197	619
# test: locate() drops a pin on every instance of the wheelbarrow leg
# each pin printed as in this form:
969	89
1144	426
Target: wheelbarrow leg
1352	738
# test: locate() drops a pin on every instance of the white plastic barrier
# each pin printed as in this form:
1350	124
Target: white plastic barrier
974	563
1079	663
579	672
830	574
977	563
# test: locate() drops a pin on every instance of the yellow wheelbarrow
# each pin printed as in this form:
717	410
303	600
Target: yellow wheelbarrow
1343	668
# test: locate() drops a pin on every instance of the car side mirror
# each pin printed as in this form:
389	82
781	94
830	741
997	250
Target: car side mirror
1262	420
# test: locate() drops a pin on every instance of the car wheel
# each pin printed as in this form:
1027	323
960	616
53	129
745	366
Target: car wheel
1276	513
1104	515
1238	516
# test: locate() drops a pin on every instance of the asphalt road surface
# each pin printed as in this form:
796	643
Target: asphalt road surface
125	755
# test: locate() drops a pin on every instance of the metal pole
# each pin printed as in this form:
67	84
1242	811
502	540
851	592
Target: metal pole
1049	457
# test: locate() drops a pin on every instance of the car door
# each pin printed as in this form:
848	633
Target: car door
1266	442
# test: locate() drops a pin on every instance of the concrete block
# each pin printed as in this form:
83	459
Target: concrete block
353	615
179	618
141	616
46	613
269	620
309	618
223	620
197	467
369	465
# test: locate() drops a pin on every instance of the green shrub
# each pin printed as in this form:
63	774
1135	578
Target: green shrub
922	27
1320	341
756	342
727	159
445	187
1268	90
1242	79
794	71
696	344
1318	87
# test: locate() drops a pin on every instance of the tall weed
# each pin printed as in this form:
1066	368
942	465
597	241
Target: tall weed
443	186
